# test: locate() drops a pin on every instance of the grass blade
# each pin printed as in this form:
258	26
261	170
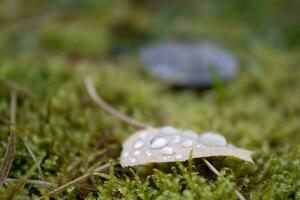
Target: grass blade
11	150
8	158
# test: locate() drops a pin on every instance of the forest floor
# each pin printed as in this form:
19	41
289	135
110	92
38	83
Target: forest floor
49	50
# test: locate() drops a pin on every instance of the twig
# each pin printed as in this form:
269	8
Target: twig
77	180
45	184
17	88
34	159
11	150
215	171
109	109
13	105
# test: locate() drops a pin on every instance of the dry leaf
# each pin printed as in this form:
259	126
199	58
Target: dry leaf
167	144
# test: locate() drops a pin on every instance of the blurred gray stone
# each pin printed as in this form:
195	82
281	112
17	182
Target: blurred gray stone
189	64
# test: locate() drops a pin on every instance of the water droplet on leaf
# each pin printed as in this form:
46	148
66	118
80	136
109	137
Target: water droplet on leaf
212	139
167	151
187	143
158	142
138	144
168	130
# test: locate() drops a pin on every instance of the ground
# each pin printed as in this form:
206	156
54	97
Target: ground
50	47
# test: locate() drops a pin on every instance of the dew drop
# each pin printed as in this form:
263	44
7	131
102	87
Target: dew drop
168	130
133	160
178	157
138	144
136	153
167	151
125	154
199	145
176	139
190	134
158	142
187	143
148	153
212	139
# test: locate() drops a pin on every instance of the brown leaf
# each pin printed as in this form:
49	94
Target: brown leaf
167	144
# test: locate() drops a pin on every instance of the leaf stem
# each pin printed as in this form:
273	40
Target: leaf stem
108	108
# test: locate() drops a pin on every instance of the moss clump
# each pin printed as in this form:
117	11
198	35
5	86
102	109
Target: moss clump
259	110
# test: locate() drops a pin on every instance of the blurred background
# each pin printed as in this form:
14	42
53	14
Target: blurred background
101	29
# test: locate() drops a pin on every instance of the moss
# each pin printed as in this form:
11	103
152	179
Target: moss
259	110
71	38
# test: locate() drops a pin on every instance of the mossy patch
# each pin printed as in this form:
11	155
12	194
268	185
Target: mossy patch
259	110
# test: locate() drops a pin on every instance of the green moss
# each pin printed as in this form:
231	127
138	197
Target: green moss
259	110
73	38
